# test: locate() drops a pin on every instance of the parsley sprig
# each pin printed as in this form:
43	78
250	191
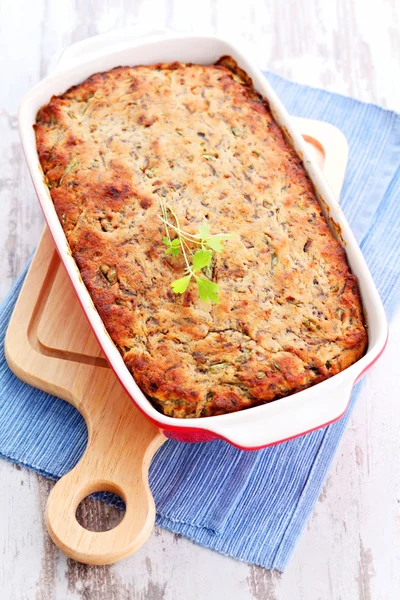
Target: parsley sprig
197	250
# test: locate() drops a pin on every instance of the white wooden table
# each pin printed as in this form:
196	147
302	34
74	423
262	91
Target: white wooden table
351	546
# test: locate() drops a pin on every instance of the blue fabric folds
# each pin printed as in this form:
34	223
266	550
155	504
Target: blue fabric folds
249	505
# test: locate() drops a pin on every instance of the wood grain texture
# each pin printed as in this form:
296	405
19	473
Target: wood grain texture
351	546
121	441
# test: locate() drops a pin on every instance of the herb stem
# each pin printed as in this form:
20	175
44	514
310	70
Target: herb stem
200	257
188	236
189	268
164	211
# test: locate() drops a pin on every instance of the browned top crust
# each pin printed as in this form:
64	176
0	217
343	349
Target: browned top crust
202	139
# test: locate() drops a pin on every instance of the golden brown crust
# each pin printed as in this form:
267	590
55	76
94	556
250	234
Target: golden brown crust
201	138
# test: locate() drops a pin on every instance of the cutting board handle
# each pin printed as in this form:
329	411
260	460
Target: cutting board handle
115	461
104	547
121	441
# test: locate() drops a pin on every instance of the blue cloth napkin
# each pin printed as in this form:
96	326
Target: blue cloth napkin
249	505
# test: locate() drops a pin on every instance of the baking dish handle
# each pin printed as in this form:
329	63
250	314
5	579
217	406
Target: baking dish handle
315	408
100	44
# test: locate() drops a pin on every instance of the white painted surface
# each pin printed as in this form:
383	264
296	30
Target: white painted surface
351	546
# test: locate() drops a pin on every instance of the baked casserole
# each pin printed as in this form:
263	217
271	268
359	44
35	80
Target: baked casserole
200	140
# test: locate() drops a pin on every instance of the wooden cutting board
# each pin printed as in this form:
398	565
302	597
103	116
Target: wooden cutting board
50	345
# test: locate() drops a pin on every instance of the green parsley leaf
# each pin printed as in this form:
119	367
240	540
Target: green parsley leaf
173	246
179	286
208	290
215	241
173	251
195	260
215	244
204	232
201	259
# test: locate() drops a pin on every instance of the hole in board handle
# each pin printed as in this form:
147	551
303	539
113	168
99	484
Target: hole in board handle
101	511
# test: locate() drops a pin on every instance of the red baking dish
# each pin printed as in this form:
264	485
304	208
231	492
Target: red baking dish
262	425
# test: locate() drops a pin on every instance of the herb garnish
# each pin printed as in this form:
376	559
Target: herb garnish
197	251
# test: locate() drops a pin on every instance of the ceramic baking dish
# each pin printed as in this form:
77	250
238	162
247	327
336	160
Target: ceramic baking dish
258	426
